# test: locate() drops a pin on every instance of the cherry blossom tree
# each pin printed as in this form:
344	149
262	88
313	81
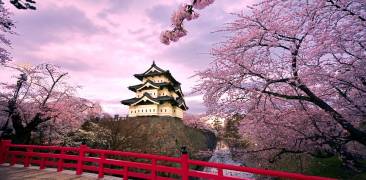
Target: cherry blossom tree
43	100
184	12
95	136
6	27
68	115
296	71
196	121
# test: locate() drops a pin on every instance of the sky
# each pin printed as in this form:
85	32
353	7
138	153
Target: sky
102	43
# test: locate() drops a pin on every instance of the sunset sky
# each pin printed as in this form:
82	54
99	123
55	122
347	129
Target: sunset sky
102	43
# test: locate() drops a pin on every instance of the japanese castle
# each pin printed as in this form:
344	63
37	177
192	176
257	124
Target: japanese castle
159	94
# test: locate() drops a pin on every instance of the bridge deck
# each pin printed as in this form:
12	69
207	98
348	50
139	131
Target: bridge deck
18	172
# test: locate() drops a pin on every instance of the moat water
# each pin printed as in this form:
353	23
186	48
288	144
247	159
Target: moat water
223	155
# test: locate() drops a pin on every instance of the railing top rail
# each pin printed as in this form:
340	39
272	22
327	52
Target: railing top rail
255	170
134	154
100	151
44	147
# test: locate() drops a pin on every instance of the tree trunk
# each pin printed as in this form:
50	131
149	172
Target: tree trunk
355	134
22	137
23	134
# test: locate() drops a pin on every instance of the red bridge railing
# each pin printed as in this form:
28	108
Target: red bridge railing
123	164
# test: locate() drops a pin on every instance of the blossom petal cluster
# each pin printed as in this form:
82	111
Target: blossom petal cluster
172	36
6	27
184	12
200	4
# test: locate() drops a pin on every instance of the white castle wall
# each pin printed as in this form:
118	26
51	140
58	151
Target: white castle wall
165	109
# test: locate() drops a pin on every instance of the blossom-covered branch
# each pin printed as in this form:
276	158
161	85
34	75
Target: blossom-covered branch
6	27
184	12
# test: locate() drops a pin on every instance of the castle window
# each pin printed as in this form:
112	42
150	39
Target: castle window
138	110
161	110
153	110
150	110
165	110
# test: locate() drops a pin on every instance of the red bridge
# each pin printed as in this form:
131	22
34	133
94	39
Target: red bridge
124	164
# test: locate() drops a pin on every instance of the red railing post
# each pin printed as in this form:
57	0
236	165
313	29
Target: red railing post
13	156
12	160
153	170
220	173
185	165
1	151
79	167
101	166
42	166
125	174
60	162
27	157
4	150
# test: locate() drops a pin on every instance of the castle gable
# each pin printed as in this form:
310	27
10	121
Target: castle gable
148	85
144	99
153	69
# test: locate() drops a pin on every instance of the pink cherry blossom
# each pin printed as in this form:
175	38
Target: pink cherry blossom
46	105
184	12
200	4
296	72
6	27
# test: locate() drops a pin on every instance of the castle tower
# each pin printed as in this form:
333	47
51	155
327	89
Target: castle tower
159	94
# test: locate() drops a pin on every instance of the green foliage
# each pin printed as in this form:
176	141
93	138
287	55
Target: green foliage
231	133
332	167
231	128
217	125
325	167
